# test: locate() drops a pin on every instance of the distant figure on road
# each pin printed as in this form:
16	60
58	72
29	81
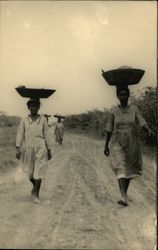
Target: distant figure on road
125	155
59	130
33	141
47	118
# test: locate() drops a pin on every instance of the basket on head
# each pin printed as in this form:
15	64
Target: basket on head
59	116
34	93
47	116
123	76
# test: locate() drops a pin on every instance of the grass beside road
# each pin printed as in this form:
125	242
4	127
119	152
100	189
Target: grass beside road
7	148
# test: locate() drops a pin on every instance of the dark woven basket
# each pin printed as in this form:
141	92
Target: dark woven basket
35	93
59	116
126	76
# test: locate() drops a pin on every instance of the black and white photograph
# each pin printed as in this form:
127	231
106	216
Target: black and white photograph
78	125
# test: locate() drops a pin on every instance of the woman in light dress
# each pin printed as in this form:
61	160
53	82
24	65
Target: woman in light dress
124	149
59	131
33	146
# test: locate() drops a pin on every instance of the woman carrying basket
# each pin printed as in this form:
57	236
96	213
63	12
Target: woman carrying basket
124	149
32	142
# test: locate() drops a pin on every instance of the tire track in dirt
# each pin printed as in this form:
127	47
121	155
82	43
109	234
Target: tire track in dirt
99	207
142	204
31	211
67	204
78	206
101	177
77	158
63	208
93	201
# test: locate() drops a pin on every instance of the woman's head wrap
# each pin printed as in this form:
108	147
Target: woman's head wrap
33	100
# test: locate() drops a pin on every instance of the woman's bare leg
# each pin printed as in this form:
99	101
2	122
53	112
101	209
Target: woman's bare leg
33	182
127	184
122	185
37	187
36	190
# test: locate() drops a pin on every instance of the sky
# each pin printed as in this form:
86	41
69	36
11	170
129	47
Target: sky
64	45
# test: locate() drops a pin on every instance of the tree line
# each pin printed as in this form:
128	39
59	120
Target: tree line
94	122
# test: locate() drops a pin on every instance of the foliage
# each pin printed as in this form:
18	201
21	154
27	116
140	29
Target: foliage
8	128
94	122
91	122
8	121
7	147
8	136
146	101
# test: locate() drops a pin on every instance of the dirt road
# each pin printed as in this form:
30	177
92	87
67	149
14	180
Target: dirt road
78	208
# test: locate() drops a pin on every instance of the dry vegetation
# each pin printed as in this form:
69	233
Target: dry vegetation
94	122
7	148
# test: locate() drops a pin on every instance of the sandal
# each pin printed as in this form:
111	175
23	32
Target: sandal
36	200
122	203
